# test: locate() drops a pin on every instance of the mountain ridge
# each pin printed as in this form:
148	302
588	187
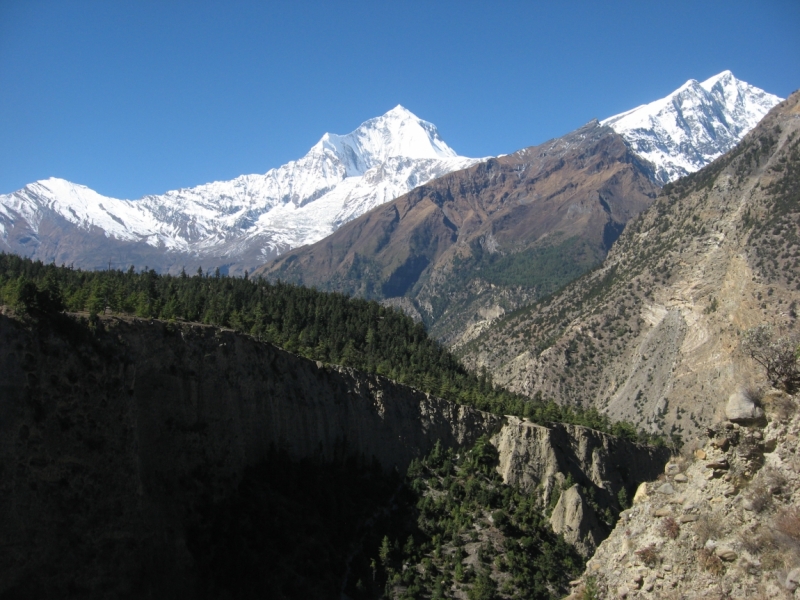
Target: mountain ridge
643	336
536	212
695	124
236	224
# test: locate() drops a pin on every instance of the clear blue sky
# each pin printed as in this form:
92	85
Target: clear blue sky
140	97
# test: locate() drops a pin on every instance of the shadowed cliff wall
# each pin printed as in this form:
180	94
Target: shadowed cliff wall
113	439
109	440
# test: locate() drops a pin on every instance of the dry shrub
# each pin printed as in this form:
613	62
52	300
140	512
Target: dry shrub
765	543
708	527
774	480
710	562
648	555
670	528
756	540
788	522
782	408
759	496
755	393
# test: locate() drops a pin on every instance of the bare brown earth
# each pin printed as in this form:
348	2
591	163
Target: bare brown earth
472	245
656	331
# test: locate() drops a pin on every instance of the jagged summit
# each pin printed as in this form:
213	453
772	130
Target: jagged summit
693	125
398	133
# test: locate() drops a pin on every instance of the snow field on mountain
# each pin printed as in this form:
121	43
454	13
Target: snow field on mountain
344	176
695	124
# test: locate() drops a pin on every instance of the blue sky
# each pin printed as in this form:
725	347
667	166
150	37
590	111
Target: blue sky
140	97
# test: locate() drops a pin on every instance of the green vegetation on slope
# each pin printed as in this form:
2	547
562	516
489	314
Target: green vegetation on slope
460	530
310	529
545	268
507	279
322	326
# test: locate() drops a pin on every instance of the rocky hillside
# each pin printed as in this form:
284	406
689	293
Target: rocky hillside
648	334
722	522
477	243
128	440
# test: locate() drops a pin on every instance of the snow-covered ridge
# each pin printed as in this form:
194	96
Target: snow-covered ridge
695	124
340	178
242	223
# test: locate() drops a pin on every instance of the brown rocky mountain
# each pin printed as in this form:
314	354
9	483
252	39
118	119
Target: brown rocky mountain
474	244
649	335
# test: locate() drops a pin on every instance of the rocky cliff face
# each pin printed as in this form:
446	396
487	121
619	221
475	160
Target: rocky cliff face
115	434
542	460
112	438
722	522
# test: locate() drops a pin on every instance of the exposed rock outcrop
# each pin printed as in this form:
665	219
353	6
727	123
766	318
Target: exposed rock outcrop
742	409
575	519
533	455
540	459
722	524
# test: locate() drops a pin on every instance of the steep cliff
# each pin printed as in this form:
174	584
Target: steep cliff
111	438
122	438
542	460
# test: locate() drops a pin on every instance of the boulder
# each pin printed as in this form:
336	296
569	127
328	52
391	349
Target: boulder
742	409
641	494
793	579
666	489
725	553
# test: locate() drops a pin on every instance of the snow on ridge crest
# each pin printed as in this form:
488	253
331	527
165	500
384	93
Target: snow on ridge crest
693	125
397	133
340	178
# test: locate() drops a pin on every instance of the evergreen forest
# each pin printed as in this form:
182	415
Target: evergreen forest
322	326
449	529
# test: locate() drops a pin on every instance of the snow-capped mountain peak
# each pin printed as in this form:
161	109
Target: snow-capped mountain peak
239	223
398	133
693	125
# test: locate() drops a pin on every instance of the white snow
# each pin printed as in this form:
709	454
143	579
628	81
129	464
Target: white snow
341	177
695	124
344	176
